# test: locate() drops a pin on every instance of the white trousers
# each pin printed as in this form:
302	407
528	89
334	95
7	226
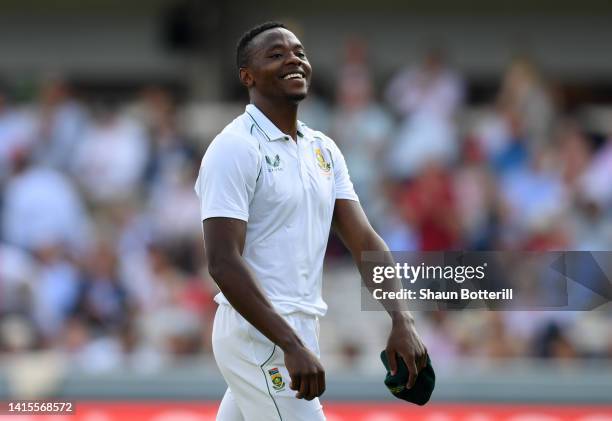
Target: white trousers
254	370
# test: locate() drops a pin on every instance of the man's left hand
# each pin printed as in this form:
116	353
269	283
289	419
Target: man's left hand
405	342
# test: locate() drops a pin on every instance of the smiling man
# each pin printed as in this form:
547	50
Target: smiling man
270	189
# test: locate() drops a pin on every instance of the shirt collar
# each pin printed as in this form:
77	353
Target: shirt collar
272	132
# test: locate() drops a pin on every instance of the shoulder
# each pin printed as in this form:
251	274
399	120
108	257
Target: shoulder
235	140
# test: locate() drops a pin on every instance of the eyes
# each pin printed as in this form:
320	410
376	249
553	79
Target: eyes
300	54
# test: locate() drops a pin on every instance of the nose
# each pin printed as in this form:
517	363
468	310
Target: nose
293	58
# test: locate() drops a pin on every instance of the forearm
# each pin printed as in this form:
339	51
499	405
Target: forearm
372	242
241	289
353	228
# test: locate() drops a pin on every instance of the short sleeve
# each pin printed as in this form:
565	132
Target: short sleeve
344	185
227	178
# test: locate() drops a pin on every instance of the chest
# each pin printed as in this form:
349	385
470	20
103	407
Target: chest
295	177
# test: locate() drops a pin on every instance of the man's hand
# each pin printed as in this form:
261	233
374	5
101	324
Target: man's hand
306	372
405	342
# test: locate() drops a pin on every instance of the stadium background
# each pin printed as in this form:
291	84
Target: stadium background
465	126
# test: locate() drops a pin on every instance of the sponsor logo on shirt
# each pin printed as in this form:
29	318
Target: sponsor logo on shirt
273	163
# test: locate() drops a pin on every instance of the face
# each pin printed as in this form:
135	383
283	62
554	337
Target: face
278	67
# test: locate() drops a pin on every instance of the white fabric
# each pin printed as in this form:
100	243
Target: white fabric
228	408
246	358
41	206
286	192
416	92
111	159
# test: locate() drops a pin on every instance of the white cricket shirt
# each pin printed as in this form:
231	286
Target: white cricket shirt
285	191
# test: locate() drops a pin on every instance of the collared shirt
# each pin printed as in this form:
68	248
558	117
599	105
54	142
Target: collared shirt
285	190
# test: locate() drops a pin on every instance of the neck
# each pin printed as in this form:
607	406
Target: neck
283	115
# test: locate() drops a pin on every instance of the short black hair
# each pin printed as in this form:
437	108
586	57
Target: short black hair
242	49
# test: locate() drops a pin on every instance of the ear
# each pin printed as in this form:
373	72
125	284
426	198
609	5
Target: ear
246	78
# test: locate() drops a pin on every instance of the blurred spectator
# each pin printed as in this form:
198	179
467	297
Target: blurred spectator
124	350
111	159
87	352
595	182
17	132
169	150
172	163
591	227
575	153
62	121
361	127
55	292
396	231
553	342
18	334
493	134
535	197
428	203
138	354
171	307
525	96
18	271
476	196
426	96
42	207
102	300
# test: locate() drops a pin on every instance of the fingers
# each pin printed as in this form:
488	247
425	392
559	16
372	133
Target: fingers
392	357
304	391
413	371
307	374
414	364
314	387
423	361
295	382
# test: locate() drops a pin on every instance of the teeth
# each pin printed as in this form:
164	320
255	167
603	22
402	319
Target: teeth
293	76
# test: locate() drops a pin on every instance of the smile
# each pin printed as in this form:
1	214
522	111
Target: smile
293	76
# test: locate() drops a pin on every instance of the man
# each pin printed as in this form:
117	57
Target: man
270	188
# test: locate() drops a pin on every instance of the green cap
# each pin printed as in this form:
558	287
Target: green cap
423	387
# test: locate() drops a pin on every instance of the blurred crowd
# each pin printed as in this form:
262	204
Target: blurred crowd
101	251
102	254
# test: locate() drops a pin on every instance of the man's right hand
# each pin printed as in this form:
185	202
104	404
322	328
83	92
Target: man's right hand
306	372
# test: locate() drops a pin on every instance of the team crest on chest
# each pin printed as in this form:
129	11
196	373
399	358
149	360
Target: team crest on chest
277	379
321	162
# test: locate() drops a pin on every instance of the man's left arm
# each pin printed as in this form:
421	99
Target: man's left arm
352	226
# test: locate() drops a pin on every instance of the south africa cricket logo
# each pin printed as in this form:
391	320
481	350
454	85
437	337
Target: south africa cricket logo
277	380
324	165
